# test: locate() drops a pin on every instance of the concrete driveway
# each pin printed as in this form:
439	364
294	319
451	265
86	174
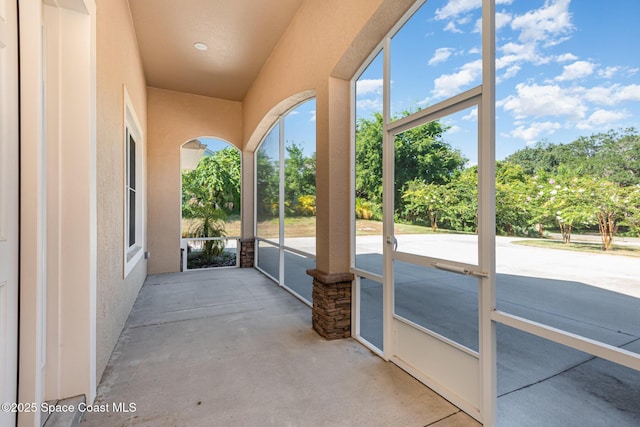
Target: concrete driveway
539	382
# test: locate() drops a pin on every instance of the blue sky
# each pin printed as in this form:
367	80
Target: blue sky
564	68
300	127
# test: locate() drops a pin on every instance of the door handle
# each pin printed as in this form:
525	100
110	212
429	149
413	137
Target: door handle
394	241
459	270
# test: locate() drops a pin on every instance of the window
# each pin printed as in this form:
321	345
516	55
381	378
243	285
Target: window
133	189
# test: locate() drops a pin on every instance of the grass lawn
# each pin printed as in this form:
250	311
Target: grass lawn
633	251
305	226
299	226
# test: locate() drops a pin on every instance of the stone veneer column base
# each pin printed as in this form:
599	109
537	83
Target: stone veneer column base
331	315
247	252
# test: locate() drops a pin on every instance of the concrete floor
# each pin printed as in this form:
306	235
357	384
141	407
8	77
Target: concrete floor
229	348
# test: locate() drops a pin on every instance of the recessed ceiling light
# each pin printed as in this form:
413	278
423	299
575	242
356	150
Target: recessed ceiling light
200	46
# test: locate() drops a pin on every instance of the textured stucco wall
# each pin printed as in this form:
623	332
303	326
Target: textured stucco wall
118	65
175	118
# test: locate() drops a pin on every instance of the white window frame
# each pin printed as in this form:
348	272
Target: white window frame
133	253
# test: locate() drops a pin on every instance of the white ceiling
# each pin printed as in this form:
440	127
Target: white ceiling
241	34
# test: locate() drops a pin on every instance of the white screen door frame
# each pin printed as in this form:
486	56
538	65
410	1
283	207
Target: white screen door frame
464	376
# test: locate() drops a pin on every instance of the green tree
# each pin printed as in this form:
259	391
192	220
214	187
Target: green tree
461	212
611	206
267	185
564	200
421	154
424	200
299	180
208	222
632	211
215	182
369	159
513	209
614	155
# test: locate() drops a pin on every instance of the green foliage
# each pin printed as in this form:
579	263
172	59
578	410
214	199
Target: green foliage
306	205
424	200
267	185
632	209
215	182
609	201
566	199
369	159
462	209
514	212
614	155
299	181
366	209
585	185
209	193
420	154
208	222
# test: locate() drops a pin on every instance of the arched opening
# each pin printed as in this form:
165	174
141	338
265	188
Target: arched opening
210	203
285	200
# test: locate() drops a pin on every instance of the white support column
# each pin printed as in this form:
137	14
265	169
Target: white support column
281	205
30	386
74	293
387	203
487	223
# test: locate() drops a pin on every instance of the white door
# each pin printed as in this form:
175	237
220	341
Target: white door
8	207
435	279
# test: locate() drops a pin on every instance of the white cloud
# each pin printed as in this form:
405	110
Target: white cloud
516	52
366	86
313	116
502	20
632	71
450	84
612	95
477	28
510	73
577	70
532	133
473	115
546	23
441	54
608	72
457	7
369	104
566	57
451	26
544	100
602	118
